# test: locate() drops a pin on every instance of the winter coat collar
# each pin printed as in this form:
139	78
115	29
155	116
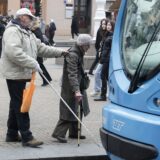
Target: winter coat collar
16	23
77	50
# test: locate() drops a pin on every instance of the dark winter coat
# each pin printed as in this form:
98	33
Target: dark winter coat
38	33
106	48
52	27
98	39
74	25
70	83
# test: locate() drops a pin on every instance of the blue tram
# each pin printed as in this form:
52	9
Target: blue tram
131	119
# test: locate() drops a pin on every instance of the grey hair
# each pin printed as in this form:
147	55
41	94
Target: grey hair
84	39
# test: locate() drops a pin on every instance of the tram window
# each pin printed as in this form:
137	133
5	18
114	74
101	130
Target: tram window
142	18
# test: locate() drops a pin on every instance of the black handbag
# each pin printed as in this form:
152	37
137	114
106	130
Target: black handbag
85	81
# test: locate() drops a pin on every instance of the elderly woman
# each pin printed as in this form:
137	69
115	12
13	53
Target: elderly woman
71	91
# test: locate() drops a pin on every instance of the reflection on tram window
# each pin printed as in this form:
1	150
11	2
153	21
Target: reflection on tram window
142	18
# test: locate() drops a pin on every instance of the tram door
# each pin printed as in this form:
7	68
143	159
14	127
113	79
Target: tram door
3	7
82	9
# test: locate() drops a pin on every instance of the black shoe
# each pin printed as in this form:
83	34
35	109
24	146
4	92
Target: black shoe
75	137
32	143
60	139
101	98
13	139
91	73
44	84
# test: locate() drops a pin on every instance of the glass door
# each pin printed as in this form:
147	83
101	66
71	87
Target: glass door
3	7
82	9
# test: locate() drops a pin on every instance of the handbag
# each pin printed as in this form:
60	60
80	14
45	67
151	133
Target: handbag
27	96
85	81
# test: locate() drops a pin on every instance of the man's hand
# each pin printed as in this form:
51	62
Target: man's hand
64	53
78	96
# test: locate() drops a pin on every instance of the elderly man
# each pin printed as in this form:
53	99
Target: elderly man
20	49
71	92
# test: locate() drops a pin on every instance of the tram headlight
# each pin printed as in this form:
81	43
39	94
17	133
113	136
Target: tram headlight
157	102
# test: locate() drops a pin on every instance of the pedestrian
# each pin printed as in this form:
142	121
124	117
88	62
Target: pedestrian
71	91
104	60
52	29
38	33
20	48
74	26
99	40
99	35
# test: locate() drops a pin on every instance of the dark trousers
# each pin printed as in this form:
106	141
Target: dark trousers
45	72
63	126
73	32
95	62
104	78
17	121
51	36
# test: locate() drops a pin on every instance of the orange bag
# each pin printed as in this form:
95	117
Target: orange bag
27	95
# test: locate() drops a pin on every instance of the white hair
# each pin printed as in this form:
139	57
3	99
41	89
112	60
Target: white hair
84	39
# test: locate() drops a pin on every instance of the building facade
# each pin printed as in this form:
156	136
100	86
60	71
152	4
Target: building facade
61	11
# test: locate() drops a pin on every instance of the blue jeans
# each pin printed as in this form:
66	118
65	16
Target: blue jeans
97	80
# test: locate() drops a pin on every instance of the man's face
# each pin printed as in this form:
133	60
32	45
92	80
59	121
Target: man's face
26	21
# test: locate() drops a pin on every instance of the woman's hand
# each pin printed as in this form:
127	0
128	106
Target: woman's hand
78	96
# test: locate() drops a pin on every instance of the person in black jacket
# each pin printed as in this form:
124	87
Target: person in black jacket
74	26
52	29
104	60
99	36
38	33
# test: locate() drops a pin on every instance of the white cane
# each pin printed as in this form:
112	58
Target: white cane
89	132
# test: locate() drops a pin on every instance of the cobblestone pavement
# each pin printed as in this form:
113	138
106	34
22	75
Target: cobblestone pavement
44	114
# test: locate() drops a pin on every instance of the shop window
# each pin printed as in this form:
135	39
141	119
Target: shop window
3	7
33	5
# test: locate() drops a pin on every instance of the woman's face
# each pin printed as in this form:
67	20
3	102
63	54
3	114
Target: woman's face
104	25
109	26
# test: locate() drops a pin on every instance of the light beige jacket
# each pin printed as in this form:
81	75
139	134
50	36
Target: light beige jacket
20	48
